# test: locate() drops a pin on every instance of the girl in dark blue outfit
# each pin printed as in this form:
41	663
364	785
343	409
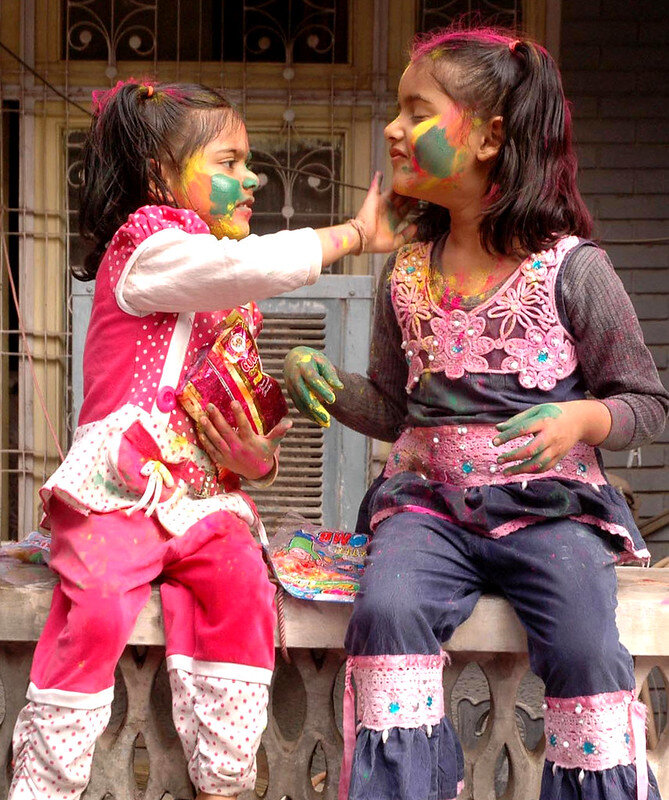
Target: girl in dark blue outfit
488	333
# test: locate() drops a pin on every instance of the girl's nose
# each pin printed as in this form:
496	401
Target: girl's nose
251	182
392	131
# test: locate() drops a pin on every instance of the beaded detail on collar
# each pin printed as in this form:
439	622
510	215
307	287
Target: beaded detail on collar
516	330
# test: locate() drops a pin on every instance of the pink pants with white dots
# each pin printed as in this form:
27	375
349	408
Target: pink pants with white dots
219	629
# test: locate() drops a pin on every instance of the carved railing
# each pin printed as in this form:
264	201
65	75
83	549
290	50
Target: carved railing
139	755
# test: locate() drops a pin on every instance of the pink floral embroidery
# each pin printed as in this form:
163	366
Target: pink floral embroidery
523	304
399	691
412	305
465	456
457	345
534	269
521	320
592	732
413	348
541	358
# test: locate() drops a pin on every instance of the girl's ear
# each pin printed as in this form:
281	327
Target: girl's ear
491	139
170	180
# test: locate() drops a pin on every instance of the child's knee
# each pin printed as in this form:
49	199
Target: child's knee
575	665
104	616
241	575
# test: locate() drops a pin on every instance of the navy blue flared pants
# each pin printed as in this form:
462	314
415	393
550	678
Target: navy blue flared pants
423	578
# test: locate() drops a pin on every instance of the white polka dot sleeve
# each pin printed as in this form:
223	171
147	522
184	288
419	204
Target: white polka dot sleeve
175	271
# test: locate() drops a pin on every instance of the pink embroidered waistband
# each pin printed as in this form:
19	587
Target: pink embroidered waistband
597	732
464	455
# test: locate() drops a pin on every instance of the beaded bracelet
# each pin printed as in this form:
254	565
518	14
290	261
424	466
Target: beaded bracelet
359	227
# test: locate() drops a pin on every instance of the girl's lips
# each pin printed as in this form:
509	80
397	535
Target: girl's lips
397	155
244	209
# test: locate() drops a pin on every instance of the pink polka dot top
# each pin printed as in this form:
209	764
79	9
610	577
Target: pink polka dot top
124	354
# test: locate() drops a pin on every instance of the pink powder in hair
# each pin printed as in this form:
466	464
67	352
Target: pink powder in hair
437	43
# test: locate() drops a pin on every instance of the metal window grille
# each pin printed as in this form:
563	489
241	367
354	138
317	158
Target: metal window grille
308	31
437	13
293	199
10	452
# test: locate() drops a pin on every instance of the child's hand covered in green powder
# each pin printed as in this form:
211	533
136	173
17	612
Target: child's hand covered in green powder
310	379
555	428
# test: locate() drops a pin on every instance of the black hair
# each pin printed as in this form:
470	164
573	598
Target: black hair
138	131
532	196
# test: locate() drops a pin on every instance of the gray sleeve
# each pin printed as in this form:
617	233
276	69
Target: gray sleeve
376	405
617	366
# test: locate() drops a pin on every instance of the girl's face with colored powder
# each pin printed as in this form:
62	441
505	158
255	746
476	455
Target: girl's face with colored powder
430	139
218	185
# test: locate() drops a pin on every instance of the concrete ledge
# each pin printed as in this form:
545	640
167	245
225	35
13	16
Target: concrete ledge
643	615
492	638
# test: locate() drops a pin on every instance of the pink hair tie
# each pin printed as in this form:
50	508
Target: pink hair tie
149	91
514	44
101	97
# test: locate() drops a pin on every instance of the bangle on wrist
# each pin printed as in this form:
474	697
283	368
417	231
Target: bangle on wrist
359	228
269	477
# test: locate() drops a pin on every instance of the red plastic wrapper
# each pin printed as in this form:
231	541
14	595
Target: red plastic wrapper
231	370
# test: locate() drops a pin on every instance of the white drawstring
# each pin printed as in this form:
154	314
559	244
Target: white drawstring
158	475
262	534
632	456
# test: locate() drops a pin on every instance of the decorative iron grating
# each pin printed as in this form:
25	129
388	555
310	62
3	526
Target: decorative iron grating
437	13
297	31
288	198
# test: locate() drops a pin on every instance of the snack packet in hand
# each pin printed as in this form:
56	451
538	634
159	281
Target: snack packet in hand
231	370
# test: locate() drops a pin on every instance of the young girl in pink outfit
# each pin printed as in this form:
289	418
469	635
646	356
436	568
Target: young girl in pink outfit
167	199
504	351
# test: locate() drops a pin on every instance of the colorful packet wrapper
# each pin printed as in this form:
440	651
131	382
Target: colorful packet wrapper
231	370
314	563
34	549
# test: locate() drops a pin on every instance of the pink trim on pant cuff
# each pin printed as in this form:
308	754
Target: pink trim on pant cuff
458	791
598	732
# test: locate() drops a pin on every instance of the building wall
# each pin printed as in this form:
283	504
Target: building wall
615	67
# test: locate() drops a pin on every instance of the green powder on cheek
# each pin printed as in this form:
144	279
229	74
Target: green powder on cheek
435	154
225	194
